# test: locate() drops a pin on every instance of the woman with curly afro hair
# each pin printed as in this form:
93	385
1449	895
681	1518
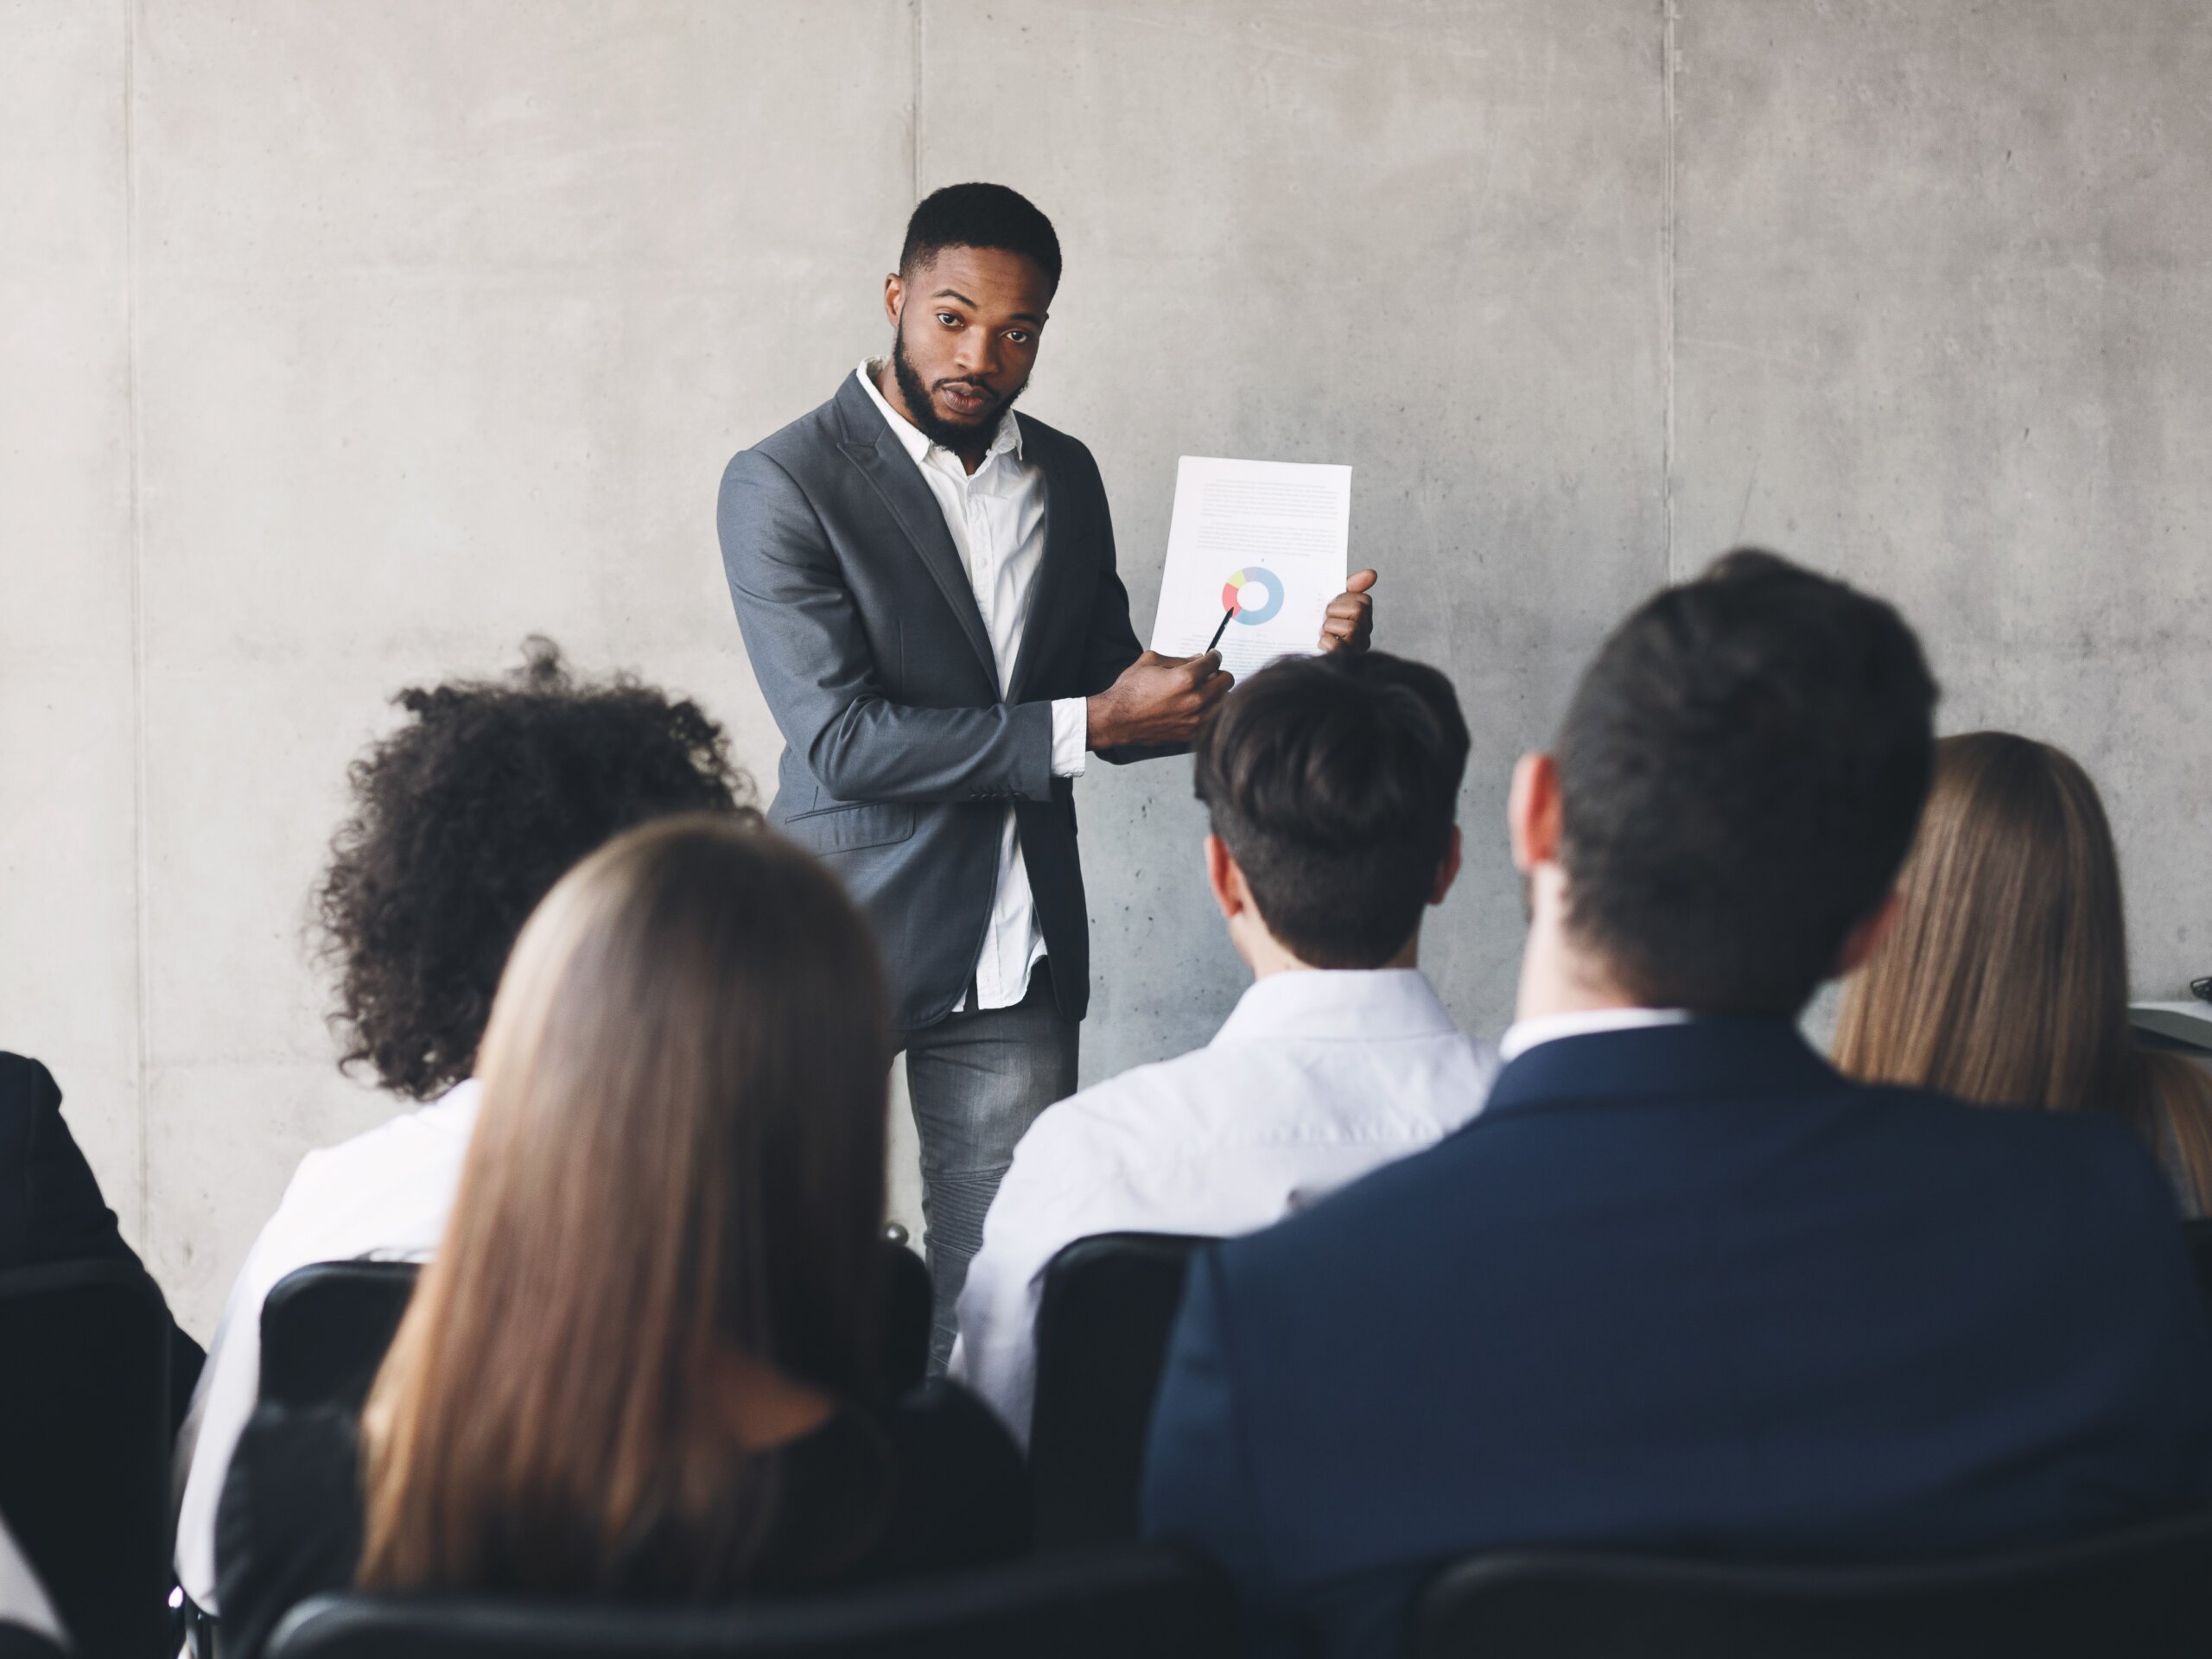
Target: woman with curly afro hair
463	818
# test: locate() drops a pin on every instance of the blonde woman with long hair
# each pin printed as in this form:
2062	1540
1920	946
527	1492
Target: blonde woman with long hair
2003	980
637	1368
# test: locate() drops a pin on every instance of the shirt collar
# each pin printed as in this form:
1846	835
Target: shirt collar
1524	1034
1338	1004
1009	436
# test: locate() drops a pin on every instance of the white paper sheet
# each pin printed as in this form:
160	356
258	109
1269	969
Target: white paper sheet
1269	538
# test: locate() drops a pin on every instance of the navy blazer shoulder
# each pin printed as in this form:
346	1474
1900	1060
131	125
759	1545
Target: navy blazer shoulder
1687	1290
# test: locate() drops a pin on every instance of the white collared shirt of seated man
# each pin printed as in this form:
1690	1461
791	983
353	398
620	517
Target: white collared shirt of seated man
1317	1076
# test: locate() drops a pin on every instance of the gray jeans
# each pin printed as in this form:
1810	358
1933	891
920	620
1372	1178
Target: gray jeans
978	1080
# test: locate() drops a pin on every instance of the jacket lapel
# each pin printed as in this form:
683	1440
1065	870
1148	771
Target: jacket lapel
1049	596
869	445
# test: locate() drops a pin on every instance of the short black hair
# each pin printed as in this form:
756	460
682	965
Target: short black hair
980	216
1334	780
1740	774
464	819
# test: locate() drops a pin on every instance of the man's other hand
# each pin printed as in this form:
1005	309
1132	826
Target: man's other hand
1157	700
1349	623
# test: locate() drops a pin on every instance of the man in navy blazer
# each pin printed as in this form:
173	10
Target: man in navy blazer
1681	1288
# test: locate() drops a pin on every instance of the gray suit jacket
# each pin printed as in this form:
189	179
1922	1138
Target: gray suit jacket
900	755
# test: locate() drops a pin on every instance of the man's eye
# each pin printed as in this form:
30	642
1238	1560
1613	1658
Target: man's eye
948	320
1018	336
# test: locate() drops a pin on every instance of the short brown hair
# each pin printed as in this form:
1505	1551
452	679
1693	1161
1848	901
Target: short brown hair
2003	980
678	1164
1335	781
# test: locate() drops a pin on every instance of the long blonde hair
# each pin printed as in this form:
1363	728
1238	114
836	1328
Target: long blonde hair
2005	978
678	1165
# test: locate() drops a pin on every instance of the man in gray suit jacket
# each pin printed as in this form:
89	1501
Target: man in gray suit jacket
925	584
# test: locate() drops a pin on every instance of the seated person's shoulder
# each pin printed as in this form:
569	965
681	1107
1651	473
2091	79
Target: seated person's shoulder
2085	1169
961	1490
1137	1112
27	1088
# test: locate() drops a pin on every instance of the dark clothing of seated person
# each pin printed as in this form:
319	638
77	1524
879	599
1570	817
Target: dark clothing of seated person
639	1368
930	1484
51	1210
1682	1288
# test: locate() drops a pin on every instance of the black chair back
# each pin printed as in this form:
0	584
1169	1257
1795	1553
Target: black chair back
2146	1593
908	1313
325	1328
16	1643
85	1448
1148	1604
1104	1320
2199	1235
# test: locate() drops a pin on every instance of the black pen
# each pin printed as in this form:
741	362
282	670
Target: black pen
1223	629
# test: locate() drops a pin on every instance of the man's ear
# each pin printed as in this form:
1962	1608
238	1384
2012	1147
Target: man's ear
1225	878
1865	939
1532	812
1448	871
894	296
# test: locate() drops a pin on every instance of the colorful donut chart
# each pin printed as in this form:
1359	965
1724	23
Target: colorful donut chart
1255	593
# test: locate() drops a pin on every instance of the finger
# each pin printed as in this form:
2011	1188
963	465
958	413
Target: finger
1361	581
1350	605
1202	666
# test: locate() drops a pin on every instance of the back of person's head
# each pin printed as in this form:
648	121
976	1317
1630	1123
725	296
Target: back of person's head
979	216
2005	978
464	819
677	1172
1334	783
1740	774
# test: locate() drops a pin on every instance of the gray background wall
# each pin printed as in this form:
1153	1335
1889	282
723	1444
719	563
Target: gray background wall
343	345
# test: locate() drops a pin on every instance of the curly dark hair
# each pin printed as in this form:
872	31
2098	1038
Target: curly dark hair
464	819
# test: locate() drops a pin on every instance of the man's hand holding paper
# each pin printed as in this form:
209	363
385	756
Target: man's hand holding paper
1257	558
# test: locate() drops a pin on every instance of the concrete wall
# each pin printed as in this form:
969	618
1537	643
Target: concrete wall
341	346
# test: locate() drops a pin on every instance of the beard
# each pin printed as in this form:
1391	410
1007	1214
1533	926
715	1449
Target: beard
921	408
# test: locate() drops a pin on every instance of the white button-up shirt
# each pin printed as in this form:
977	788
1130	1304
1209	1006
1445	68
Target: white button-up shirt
997	515
1316	1078
382	1194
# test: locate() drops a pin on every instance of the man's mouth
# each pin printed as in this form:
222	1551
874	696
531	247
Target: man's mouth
965	400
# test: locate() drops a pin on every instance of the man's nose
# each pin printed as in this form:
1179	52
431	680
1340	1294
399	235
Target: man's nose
977	356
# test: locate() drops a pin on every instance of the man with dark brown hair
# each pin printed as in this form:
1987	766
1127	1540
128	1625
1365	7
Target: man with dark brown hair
926	583
1332	785
1681	1288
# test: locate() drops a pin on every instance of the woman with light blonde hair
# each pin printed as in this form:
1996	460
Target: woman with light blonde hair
638	1367
2003	980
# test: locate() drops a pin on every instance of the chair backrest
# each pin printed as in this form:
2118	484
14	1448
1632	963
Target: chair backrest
909	1310
1156	1603
16	1643
2146	1592
85	1448
325	1328
1104	1319
2199	1235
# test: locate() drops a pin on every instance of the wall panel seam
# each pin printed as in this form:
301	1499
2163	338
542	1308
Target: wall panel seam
136	519
914	107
